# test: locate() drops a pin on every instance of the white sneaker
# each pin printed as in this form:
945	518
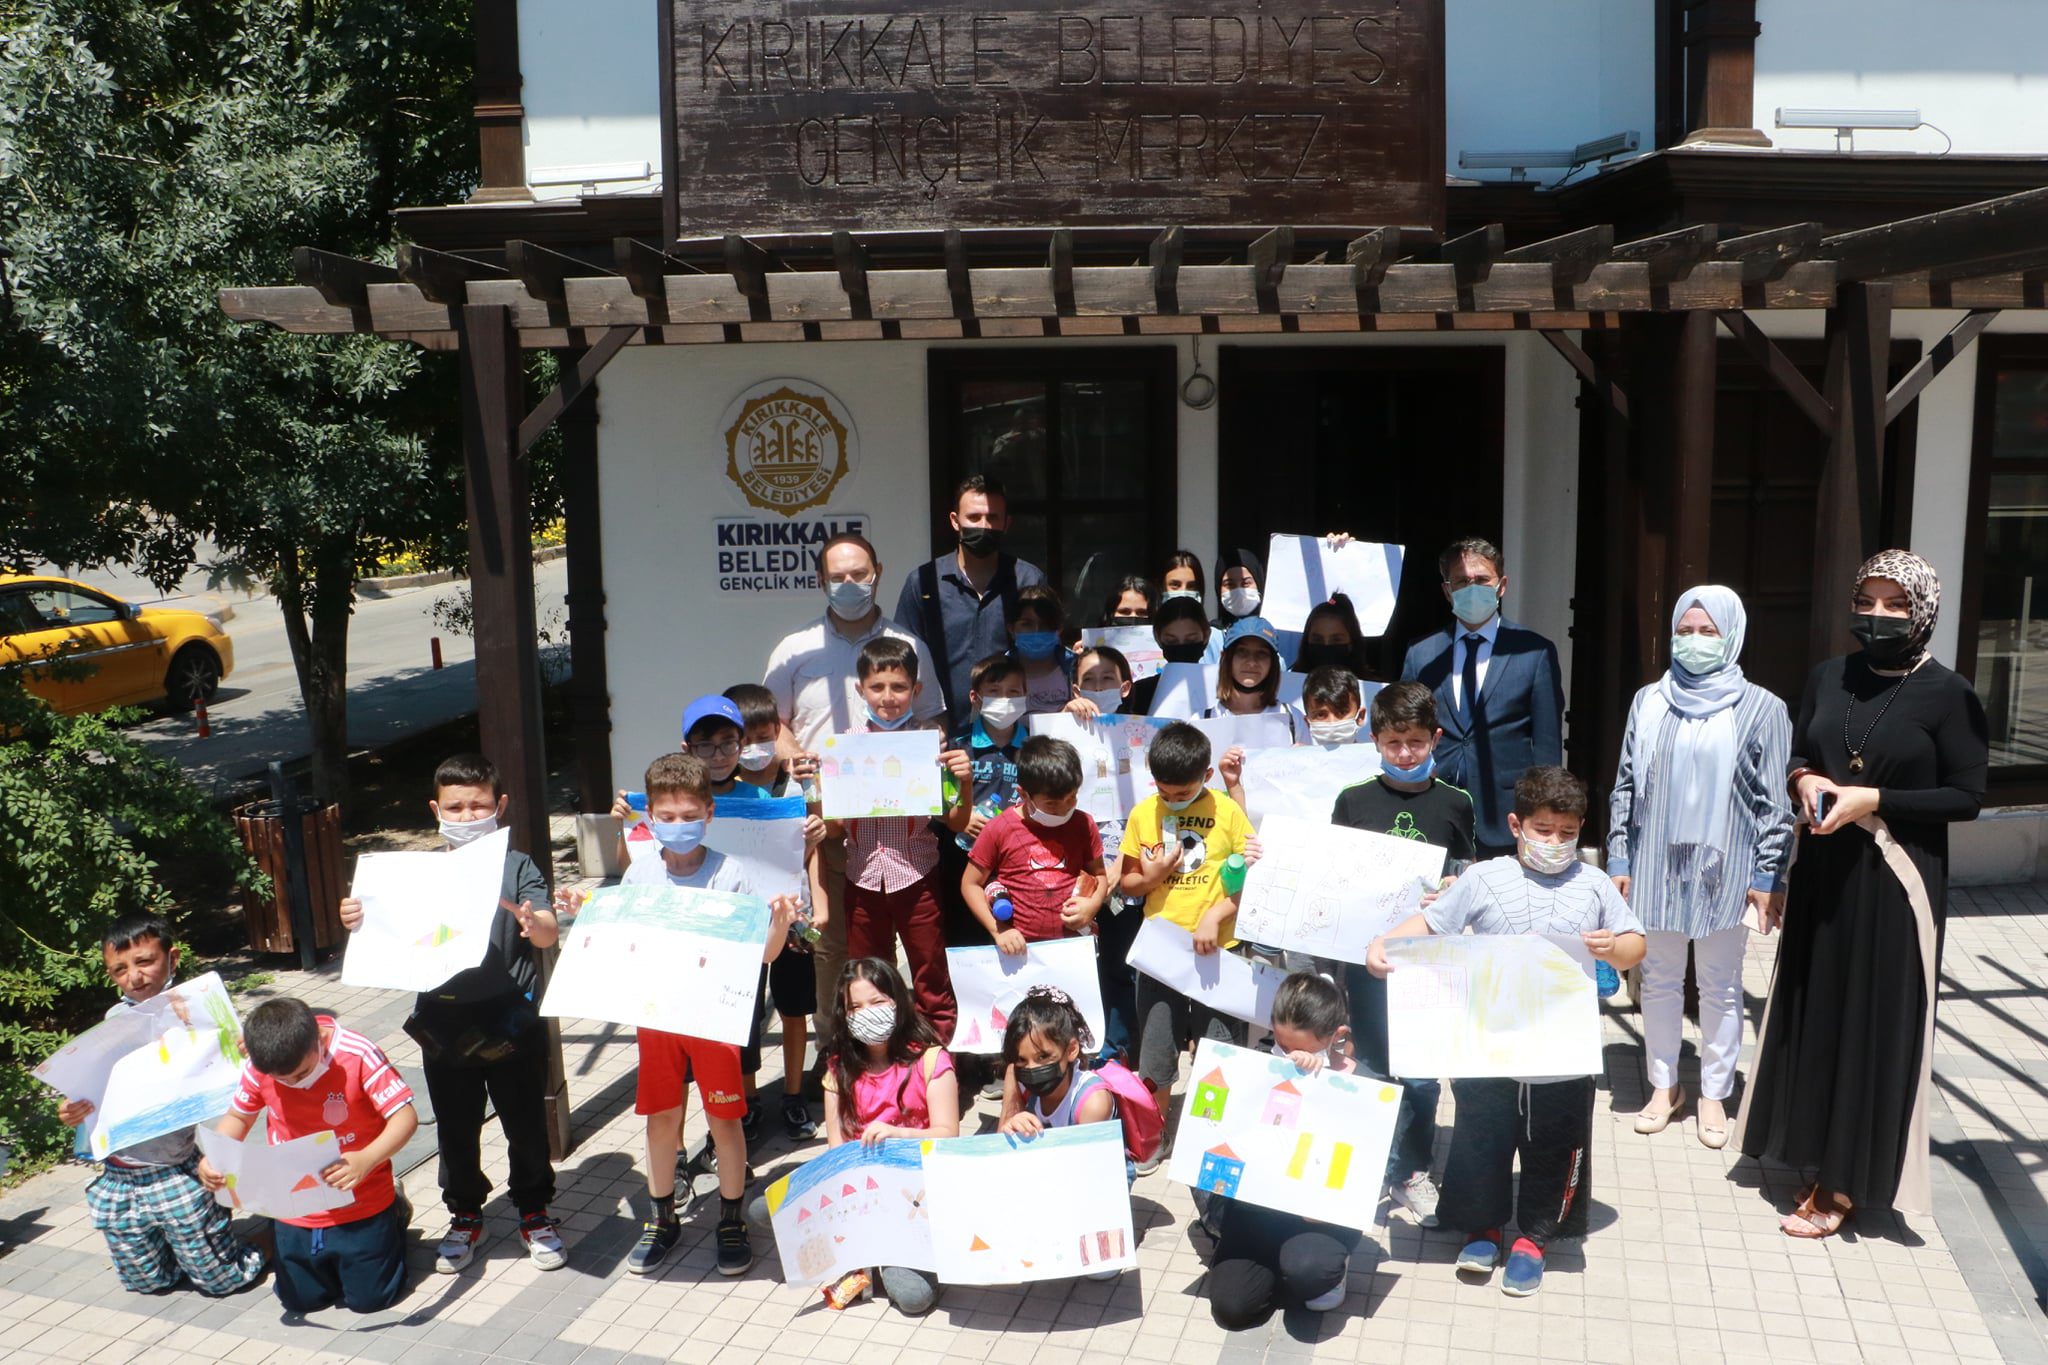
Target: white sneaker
1417	1194
543	1242
1323	1303
458	1244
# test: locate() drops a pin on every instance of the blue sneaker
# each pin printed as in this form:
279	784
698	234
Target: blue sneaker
1481	1254
1524	1274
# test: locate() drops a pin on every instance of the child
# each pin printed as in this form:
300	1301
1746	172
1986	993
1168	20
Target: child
791	984
481	1036
890	860
887	1076
1035	621
1265	1258
1175	844
991	740
1329	702
1044	851
1248	684
714	731
679	807
1102	679
148	1201
1044	1085
1181	630
313	1075
1546	1121
1408	801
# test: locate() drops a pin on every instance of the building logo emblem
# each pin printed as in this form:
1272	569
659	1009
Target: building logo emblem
786	449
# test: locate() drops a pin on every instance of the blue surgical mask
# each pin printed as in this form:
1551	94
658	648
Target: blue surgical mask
1421	772
849	601
1182	805
678	836
896	724
1037	644
1699	653
1475	603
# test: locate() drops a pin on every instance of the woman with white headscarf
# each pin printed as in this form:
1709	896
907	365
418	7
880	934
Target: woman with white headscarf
1700	829
1889	750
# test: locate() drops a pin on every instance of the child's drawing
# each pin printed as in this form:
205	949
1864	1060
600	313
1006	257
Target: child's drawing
1492	1005
988	984
666	957
845	1211
1007	1210
1328	890
867	776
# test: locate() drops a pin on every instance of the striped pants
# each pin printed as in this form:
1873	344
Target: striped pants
160	1221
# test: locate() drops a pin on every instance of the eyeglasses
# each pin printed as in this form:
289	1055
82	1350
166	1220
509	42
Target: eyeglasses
729	749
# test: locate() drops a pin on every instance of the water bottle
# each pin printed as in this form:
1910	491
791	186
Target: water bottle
1233	874
1606	980
999	905
636	802
988	810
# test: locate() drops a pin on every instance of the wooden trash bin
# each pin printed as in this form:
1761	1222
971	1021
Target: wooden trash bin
269	918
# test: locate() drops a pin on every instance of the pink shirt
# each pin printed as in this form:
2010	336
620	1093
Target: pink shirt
895	1095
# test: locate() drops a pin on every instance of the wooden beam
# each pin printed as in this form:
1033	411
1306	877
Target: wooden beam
959	279
1370	254
1060	263
1670	256
1934	362
574	384
1571	257
1851	482
1269	256
1165	256
2011	227
545	272
343	281
748	262
589	693
1782	371
852	259
1588	370
1766	256
441	277
1472	256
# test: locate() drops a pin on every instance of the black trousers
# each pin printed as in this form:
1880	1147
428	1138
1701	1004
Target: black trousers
516	1087
360	1265
1550	1127
1266	1259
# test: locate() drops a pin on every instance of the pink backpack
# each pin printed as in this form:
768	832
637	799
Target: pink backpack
1137	1107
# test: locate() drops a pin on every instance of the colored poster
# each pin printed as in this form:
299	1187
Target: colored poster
1303	571
280	1181
870	776
1519	1005
1010	1210
1329	890
850	1209
1249	733
1185	690
663	957
1240	987
426	916
765	836
1304	781
1114	774
1255	1127
1135	643
988	984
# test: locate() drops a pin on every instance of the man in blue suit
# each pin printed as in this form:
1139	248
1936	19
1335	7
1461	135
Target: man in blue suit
1499	692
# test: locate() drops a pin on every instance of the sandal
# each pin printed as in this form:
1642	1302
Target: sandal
1810	1223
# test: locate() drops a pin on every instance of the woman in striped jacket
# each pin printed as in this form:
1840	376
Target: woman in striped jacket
1699	837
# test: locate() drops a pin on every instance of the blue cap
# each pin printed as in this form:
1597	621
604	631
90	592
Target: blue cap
713	707
1252	628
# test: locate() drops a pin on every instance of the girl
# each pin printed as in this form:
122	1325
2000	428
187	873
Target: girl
1264	1258
1331	635
887	1077
1035	620
1183	577
1240	574
1102	679
1130	603
1182	632
1248	684
1044	1085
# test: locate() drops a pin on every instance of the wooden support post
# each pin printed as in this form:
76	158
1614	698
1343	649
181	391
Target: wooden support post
589	686
1691	444
1852	480
500	117
1720	42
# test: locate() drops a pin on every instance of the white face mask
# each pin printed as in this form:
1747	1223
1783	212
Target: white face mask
1328	1060
311	1078
1049	820
1549	859
1333	731
755	757
1002	712
460	832
1106	701
1172	593
874	1024
1240	601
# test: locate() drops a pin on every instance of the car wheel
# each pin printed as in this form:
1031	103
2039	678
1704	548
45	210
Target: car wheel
194	674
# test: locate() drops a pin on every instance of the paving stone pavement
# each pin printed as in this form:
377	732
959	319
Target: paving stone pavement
1685	1262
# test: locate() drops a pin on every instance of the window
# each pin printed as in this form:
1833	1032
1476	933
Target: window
60	607
1082	439
2004	644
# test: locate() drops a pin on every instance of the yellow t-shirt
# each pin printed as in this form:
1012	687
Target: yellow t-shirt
1206	833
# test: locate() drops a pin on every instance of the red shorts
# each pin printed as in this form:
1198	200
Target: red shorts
667	1060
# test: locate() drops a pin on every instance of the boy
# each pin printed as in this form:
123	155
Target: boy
679	806
1045	852
1102	679
1408	801
715	731
1175	843
890	861
148	1201
481	1036
312	1074
1546	1120
1329	699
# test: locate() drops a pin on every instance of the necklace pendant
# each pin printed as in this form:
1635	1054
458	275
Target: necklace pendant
1855	763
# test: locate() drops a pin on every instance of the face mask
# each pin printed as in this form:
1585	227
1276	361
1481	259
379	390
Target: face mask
896	724
875	1024
1886	639
460	832
755	757
1698	653
1475	603
1419	773
1106	701
1240	601
1048	819
1313	656
1188	593
1182	805
1333	731
1126	618
1549	859
678	836
980	541
312	1077
1037	644
1181	654
1002	712
1042	1080
1324	1053
849	601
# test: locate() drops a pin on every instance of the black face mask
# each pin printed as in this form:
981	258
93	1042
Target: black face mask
1887	640
1317	655
980	541
1181	654
1042	1080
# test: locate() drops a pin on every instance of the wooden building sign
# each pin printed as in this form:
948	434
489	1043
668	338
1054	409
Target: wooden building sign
808	116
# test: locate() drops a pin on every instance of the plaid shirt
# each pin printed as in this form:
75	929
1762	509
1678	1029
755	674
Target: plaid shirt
890	854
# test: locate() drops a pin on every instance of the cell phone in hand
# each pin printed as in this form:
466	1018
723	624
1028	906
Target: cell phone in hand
1822	804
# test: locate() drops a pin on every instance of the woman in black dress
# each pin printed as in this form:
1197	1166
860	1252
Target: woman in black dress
1889	749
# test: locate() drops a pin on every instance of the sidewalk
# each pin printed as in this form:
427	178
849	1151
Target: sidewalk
1685	1262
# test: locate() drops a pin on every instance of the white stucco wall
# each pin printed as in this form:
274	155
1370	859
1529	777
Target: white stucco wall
591	86
1523	77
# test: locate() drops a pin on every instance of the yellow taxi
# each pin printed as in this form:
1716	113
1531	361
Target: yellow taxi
130	654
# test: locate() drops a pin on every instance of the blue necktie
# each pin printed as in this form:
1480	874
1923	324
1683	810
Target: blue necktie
1471	680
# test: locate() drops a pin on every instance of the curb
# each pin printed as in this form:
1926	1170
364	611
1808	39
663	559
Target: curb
379	587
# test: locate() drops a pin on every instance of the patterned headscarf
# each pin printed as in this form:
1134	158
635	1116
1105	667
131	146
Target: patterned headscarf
1923	591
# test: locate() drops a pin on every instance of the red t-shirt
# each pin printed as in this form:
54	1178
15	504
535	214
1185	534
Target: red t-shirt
1037	865
357	1093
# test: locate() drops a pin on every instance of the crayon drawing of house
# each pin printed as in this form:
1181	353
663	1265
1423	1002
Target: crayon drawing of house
1210	1094
1283	1107
892	767
1221	1171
